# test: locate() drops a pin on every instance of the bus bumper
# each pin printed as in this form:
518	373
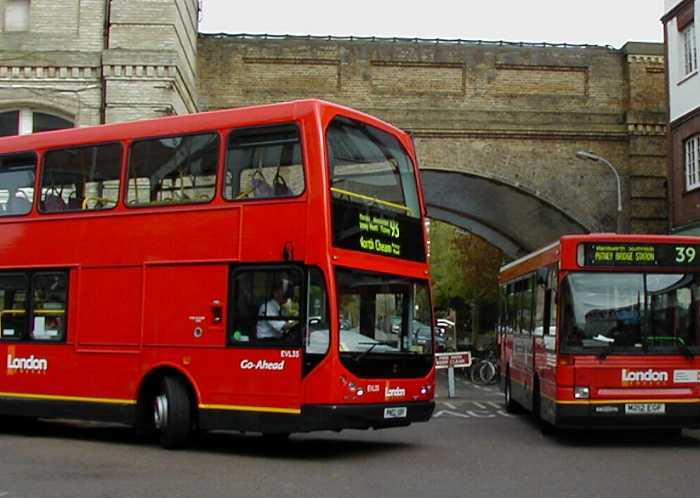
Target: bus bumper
613	415
336	417
319	418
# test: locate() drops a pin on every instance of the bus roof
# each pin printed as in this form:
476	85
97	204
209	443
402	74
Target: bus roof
187	123
563	251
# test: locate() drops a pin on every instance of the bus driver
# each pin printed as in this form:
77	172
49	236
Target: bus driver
273	329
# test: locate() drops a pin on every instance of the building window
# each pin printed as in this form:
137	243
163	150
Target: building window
26	121
690	51
17	15
692	162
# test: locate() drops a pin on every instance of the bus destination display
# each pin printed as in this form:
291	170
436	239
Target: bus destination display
377	232
664	255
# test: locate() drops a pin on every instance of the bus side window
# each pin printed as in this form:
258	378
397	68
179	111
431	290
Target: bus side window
173	170
17	183
84	178
49	303
264	162
14	290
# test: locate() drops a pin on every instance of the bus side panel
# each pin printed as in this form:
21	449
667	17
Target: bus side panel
521	369
184	305
274	232
109	307
545	366
185	325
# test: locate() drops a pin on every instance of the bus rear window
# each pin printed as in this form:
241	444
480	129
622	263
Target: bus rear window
17	173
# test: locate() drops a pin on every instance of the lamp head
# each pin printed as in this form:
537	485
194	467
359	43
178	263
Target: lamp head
582	154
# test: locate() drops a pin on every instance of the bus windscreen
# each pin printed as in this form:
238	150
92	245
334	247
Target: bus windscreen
630	313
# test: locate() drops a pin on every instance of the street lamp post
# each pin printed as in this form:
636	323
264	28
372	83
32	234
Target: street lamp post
592	157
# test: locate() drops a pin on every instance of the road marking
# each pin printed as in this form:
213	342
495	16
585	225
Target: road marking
480	405
450	412
449	405
4	493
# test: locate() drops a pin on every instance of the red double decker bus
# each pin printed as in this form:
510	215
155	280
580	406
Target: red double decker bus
604	331
259	269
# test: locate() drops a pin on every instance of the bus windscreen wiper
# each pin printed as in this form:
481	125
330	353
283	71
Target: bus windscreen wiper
373	345
607	343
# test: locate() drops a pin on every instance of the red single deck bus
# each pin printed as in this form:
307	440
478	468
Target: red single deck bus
604	331
259	269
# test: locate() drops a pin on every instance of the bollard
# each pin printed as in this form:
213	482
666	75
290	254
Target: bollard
450	382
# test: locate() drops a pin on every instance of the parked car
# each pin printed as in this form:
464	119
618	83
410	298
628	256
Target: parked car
421	334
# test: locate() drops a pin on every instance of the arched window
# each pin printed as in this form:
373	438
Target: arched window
26	121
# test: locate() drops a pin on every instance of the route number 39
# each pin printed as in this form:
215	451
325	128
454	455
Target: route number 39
685	254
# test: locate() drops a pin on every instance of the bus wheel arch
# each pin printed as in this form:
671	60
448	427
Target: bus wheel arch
172	383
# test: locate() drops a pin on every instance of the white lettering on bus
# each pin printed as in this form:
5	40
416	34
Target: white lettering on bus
644	376
394	392
30	364
262	365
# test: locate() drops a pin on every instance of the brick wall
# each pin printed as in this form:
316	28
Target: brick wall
513	113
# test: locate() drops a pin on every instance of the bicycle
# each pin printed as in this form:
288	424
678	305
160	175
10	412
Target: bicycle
484	369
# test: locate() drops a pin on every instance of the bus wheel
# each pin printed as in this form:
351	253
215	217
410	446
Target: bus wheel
172	415
511	406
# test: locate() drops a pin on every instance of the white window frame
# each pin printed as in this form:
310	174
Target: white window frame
26	118
690	50
691	149
17	15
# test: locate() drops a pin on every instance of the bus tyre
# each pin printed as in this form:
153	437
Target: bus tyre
172	414
511	406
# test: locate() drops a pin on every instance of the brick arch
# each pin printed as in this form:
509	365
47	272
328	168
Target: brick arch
513	219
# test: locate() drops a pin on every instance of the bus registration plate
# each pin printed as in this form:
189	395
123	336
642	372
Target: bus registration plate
645	408
395	412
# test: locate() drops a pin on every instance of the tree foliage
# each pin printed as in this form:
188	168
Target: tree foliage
464	267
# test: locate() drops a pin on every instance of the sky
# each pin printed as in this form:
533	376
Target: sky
592	22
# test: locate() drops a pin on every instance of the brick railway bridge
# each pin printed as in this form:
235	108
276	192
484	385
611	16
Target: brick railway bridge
496	125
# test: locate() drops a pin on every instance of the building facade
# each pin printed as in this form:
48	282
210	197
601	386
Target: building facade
85	62
683	87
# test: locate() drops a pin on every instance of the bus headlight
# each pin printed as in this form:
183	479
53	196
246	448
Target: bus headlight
581	392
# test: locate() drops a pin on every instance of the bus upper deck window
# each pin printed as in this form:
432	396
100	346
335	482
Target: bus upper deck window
84	178
173	170
264	162
17	183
